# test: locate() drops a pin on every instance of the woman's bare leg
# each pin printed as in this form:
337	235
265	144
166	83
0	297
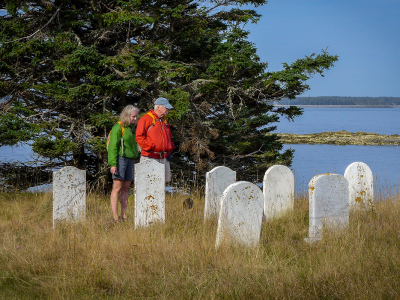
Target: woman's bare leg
117	186
124	197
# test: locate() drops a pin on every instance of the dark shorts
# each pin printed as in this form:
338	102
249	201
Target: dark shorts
125	169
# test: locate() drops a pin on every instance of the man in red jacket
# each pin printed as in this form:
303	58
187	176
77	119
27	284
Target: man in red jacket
153	135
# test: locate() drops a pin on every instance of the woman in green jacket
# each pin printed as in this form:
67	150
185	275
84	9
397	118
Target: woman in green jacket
122	151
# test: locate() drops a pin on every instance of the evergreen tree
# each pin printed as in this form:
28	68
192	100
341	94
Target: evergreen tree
67	68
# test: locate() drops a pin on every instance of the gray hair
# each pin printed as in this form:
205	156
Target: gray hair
126	113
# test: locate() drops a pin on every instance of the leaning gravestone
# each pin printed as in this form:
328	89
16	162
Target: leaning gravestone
217	180
240	215
361	184
328	204
149	193
69	194
278	190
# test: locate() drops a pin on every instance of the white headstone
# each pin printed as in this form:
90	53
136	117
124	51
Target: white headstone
149	192
69	194
240	216
329	207
278	190
361	184
217	180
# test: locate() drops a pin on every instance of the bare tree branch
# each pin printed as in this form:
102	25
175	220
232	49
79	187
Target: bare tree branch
40	29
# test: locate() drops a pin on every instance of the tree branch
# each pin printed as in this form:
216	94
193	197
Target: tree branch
40	29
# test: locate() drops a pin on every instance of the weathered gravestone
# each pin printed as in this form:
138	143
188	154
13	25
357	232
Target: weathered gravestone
240	216
361	184
278	190
69	194
149	193
328	204
217	180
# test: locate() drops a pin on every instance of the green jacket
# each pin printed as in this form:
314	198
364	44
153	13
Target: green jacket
130	149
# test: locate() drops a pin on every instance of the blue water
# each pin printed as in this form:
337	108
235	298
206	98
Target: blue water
22	153
311	160
322	119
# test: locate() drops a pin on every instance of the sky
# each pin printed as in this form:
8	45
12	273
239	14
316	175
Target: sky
365	34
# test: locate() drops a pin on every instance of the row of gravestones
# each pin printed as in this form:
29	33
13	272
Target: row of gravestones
240	206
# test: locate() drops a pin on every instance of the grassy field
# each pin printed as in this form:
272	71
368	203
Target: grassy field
98	259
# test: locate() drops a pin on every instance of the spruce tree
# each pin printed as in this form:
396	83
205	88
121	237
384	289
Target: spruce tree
67	68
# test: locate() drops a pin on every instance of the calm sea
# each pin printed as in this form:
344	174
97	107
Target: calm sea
322	119
311	160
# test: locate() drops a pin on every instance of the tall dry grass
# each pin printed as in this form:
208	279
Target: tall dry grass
97	259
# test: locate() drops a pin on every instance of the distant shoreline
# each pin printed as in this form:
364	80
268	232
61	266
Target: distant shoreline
341	138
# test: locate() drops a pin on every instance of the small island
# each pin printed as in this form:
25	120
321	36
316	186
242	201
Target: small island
341	138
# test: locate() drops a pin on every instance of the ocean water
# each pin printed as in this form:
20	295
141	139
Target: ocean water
322	119
20	153
311	160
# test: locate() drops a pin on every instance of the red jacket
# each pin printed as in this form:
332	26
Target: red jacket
154	139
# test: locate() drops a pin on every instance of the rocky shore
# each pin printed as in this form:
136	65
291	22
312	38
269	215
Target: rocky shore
341	138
